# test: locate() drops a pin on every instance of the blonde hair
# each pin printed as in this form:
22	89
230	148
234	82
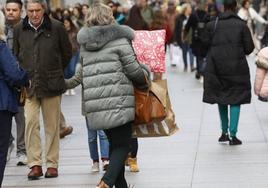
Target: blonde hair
184	7
2	26
99	14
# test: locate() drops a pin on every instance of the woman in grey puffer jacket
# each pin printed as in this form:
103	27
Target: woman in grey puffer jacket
108	72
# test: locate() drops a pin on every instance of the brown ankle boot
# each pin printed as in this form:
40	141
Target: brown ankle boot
102	185
133	166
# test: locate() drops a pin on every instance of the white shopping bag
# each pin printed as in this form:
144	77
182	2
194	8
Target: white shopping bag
175	55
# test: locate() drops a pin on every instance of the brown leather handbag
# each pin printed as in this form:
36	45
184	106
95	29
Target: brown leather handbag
21	96
166	127
148	107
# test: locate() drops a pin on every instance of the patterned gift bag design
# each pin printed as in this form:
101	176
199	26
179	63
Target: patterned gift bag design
149	47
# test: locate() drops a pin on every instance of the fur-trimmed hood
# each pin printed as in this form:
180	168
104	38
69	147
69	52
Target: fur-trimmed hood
95	37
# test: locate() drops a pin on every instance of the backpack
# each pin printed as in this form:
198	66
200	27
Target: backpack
200	28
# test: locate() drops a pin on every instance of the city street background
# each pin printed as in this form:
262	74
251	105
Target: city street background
192	158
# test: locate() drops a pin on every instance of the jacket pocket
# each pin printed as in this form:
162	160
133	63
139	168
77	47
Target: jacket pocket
56	81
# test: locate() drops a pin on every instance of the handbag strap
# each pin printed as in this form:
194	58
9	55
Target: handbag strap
215	26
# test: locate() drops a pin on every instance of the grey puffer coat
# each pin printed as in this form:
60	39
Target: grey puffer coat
109	70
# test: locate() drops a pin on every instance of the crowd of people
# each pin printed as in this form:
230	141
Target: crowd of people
50	52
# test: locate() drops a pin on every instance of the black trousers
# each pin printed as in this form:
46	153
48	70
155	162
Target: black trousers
134	147
5	130
119	140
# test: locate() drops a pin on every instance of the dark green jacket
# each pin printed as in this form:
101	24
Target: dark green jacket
43	54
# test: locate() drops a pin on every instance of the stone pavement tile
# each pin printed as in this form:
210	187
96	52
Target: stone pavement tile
63	180
163	177
80	160
12	181
74	153
225	154
230	185
239	172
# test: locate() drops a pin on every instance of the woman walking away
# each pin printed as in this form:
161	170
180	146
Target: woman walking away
227	78
72	35
11	77
108	72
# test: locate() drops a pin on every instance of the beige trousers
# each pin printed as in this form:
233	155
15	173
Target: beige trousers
51	109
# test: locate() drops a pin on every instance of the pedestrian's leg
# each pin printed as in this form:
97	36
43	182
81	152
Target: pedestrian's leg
92	143
223	111
104	145
184	55
121	181
134	147
198	66
11	146
6	122
119	140
64	129
234	118
62	121
51	115
11	138
20	122
32	132
191	59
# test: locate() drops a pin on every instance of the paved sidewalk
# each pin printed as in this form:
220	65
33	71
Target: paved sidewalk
192	158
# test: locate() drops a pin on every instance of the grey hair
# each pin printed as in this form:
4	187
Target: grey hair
2	26
42	2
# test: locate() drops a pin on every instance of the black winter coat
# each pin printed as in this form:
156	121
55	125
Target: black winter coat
194	19
227	77
177	34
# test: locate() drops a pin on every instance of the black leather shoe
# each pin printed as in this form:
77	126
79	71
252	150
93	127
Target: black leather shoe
235	141
224	138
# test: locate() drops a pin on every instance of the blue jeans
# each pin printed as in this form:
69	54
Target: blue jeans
70	69
93	144
185	50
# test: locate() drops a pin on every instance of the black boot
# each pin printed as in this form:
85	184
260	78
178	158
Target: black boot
235	141
224	137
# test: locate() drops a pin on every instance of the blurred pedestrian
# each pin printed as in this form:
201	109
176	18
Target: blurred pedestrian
72	31
77	16
11	76
248	14
227	77
196	23
119	16
13	12
170	15
136	22
181	22
158	23
42	47
109	70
